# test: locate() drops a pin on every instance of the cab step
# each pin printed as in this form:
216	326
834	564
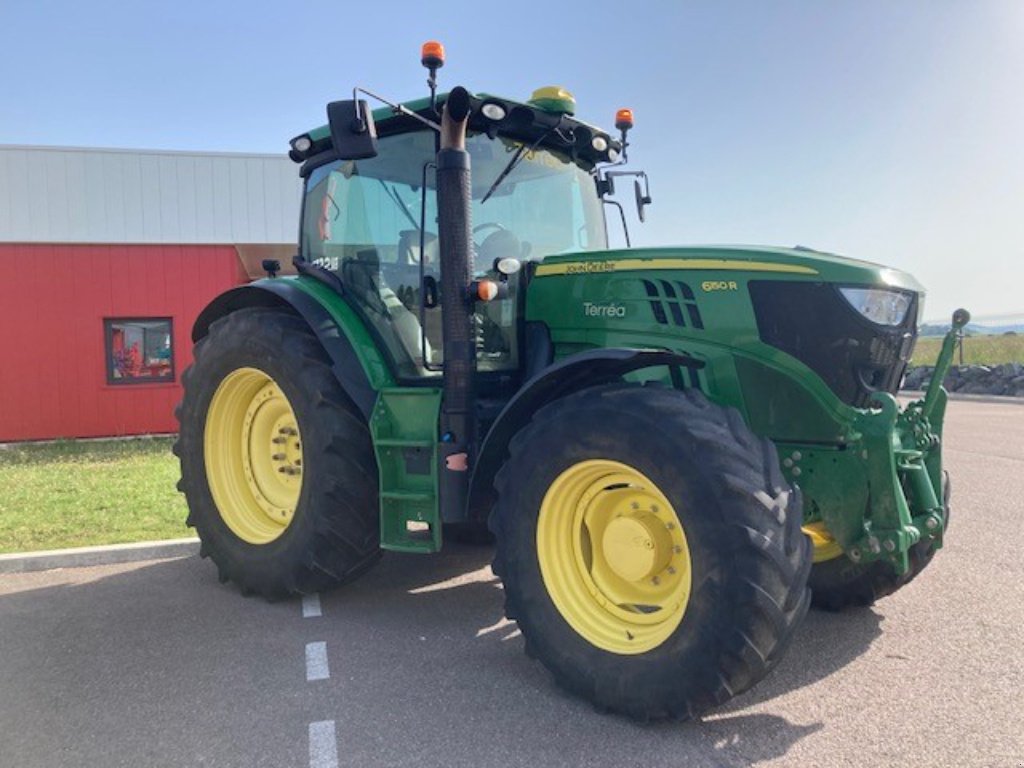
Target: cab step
404	427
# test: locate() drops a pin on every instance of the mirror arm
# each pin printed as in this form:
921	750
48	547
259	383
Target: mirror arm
397	108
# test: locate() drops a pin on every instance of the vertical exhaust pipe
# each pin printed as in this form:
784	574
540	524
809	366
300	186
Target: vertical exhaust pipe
458	410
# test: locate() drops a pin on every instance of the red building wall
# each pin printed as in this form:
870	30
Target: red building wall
54	299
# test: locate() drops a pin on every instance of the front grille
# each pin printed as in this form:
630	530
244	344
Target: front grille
816	325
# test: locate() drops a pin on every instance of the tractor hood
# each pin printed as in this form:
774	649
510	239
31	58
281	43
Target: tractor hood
798	262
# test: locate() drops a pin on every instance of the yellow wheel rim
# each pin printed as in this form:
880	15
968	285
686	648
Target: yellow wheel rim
825	546
253	453
613	556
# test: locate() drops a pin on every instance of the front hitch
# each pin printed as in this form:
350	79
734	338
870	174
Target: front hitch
901	452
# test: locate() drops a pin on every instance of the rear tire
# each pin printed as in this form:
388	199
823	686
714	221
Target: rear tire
328	532
744	554
840	583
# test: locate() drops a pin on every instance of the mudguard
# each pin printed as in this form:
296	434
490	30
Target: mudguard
283	292
570	374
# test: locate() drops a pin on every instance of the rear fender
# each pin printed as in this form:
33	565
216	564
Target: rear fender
307	302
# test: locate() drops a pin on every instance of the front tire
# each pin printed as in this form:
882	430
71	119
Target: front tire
650	549
277	465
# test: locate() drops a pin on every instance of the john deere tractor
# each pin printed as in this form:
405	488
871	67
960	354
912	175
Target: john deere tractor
676	449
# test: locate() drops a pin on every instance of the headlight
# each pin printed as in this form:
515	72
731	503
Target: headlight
493	111
302	143
879	305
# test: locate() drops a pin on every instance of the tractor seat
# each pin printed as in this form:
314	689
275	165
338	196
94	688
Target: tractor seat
409	248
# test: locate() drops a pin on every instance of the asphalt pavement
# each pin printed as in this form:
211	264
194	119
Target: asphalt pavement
157	664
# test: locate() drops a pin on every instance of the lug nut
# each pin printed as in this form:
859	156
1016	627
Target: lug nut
279	441
890	545
278	457
931	524
671	570
655	581
855	555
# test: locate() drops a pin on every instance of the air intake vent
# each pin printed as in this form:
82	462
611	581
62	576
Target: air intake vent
673	303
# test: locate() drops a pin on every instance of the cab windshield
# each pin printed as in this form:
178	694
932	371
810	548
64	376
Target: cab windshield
361	219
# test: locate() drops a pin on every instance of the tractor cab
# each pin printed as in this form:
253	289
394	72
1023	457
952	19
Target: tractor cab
372	222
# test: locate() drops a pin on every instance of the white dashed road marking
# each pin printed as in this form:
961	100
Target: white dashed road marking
323	745
311	606
316	661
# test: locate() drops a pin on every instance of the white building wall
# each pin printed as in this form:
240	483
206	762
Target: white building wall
63	194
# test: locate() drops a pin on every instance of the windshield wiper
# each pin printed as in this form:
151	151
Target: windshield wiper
516	158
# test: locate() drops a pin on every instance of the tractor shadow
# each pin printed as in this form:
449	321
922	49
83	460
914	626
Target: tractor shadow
416	640
825	642
445	592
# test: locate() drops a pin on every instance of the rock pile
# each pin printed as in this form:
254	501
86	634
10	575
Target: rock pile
1006	379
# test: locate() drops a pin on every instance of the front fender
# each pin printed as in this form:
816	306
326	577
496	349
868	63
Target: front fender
568	375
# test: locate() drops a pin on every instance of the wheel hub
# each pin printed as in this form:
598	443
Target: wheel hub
253	455
636	547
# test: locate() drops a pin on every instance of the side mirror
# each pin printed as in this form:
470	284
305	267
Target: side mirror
353	132
641	200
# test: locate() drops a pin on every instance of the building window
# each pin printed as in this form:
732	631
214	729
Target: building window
139	350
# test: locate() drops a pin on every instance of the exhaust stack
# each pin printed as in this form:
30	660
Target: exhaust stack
458	412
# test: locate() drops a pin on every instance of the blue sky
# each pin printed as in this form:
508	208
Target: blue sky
889	131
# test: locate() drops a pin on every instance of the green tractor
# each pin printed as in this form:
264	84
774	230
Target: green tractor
677	450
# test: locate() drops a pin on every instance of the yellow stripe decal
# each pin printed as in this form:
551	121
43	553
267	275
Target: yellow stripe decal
631	265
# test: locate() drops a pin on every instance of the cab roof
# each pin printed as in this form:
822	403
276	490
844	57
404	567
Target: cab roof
528	123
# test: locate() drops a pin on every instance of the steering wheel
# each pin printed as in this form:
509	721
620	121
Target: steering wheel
486	225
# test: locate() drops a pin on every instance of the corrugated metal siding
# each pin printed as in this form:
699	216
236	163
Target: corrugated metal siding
53	300
67	195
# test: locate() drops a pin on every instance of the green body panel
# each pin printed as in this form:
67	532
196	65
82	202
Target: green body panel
729	343
404	428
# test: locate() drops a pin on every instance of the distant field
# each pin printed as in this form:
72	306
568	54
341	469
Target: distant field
71	494
978	350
